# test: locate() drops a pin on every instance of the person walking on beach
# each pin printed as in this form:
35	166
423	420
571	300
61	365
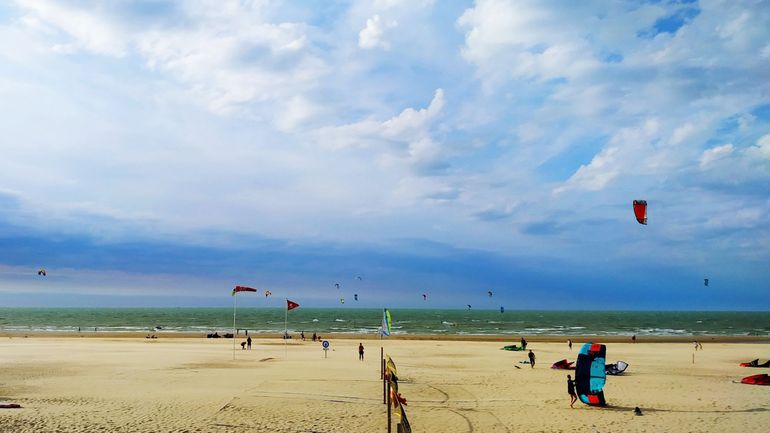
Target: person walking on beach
633	338
523	343
302	335
571	391
314	337
248	342
569	343
360	351
531	358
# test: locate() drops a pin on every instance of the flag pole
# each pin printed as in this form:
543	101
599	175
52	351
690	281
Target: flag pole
235	300
285	329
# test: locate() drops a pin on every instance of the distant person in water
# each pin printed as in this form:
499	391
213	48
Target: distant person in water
571	391
531	358
248	342
569	343
360	351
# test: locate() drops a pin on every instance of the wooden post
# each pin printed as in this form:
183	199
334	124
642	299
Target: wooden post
388	403
384	392
382	364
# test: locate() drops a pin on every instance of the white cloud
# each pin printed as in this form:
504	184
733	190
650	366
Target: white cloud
372	36
88	30
714	154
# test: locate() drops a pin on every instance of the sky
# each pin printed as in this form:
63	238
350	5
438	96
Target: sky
157	153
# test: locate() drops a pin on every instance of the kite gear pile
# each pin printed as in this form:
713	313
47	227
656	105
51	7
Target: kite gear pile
616	368
513	348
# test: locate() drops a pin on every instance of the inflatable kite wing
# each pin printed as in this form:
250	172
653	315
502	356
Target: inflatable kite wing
616	368
640	211
590	375
563	365
757	379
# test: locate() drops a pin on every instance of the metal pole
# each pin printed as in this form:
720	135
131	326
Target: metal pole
286	329
235	298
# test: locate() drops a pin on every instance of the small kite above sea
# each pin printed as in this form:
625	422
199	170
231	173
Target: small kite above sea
489	292
640	211
706	282
469	306
424	296
41	272
337	285
268	293
355	297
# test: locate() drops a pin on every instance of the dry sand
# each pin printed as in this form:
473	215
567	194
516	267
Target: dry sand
193	385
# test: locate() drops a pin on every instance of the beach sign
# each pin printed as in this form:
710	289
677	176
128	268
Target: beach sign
325	345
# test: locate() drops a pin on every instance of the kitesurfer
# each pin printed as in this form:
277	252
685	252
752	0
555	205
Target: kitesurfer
531	358
571	391
248	342
360	351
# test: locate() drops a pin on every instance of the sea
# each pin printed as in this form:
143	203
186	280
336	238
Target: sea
404	321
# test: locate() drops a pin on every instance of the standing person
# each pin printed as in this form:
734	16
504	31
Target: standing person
531	358
248	342
571	391
569	343
314	337
302	335
523	343
360	351
633	338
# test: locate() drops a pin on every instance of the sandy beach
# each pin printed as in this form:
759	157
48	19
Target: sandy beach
194	385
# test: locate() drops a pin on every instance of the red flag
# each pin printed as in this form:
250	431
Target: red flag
290	305
242	289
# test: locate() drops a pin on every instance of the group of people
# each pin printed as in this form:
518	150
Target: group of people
247	343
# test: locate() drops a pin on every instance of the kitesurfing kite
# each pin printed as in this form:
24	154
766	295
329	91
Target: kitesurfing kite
590	374
355	297
268	293
41	272
359	278
424	297
337	285
489	292
706	282
502	309
640	211
469	306
342	300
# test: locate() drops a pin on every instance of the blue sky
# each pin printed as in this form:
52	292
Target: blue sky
156	153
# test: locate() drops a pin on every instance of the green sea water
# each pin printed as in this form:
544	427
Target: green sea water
368	321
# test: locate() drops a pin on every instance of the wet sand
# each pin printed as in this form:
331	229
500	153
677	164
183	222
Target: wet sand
114	383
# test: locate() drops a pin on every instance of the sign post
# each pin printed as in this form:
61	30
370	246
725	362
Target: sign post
325	344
